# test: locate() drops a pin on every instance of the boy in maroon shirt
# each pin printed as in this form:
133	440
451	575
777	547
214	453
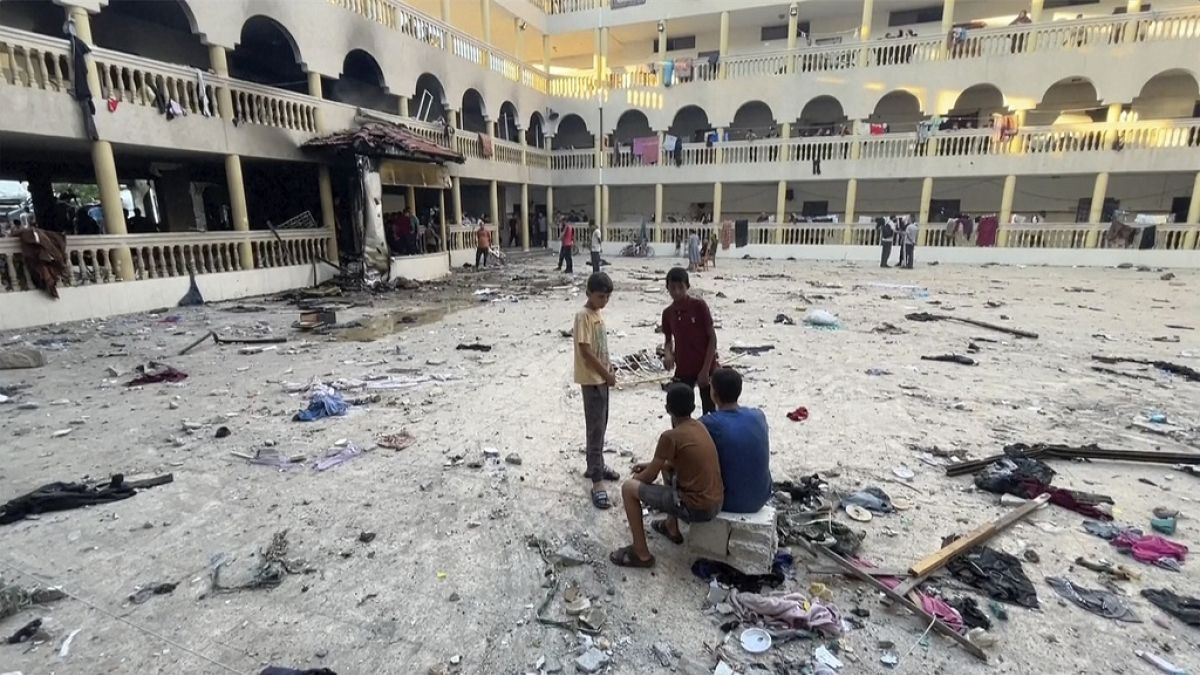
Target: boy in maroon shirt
689	339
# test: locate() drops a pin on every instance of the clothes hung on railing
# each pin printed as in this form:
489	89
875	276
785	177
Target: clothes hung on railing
683	69
926	129
878	128
668	72
988	226
81	91
202	93
1004	127
646	149
485	145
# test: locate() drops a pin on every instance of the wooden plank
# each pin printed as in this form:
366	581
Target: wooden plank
938	625
937	559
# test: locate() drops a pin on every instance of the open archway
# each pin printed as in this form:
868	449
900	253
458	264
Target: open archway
1172	94
1070	100
361	83
975	106
752	119
474	112
632	124
535	132
507	126
428	103
163	30
689	124
572	134
900	110
44	18
820	116
267	54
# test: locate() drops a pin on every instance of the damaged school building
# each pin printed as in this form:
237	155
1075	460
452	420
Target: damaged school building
186	132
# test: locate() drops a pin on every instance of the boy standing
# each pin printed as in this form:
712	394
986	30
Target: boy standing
566	252
595	375
689	337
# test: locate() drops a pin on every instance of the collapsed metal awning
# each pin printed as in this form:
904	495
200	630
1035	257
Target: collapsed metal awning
384	140
400	172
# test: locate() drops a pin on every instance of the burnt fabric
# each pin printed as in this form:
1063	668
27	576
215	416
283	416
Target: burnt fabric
747	583
278	670
1029	478
996	573
1182	607
66	496
796	527
81	91
972	615
45	253
1098	602
154	373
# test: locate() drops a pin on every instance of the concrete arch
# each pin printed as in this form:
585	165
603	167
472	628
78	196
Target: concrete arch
267	53
428	102
163	30
900	109
473	112
572	133
535	131
630	125
361	66
753	117
821	112
976	104
688	121
508	123
1171	94
1070	99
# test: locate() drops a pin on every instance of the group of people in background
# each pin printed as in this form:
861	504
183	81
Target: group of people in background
70	215
407	235
897	232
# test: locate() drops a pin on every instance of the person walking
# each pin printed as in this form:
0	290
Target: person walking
566	252
597	243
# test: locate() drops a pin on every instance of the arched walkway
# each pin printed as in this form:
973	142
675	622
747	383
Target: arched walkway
573	134
507	124
1070	100
689	124
822	115
474	112
163	30
535	132
267	54
428	103
900	110
975	106
753	119
633	124
1172	94
361	83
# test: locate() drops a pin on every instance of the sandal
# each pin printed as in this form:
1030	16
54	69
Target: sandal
600	499
610	474
660	526
625	557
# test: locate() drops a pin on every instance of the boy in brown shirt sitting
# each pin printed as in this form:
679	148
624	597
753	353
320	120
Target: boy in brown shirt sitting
691	487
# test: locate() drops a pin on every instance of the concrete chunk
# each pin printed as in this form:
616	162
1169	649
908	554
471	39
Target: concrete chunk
746	541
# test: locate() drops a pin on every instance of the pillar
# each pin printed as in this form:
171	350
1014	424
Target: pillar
596	205
401	105
1007	196
1035	10
446	12
1193	216
550	206
793	24
494	210
780	210
1112	118
927	195
603	75
596	55
519	40
947	16
485	12
219	61
315	90
524	216
662	46
717	198
410	197
456	195
1133	6
719	146
442	224
851	211
605	212
1099	192
237	207
83	30
110	202
723	46
545	58
868	15
659	216
328	219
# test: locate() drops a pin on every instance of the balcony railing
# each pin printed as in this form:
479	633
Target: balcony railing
93	259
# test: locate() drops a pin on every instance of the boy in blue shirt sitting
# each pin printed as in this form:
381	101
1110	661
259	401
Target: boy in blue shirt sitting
743	445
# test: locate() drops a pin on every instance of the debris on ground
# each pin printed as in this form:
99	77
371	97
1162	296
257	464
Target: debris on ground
1101	603
146	591
15	598
272	566
952	358
66	496
155	372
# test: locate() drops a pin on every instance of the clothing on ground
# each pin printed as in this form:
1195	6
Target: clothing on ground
156	372
997	573
278	670
1102	603
744	451
787	610
871	499
1029	478
322	403
932	605
1182	607
589	330
65	496
748	583
1151	548
690	451
688	323
972	615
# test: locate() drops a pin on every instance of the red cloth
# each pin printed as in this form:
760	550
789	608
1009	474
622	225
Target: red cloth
1149	548
688	322
988	226
798	415
568	235
1068	499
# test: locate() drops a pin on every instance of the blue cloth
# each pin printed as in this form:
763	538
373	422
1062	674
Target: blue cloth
744	451
322	404
668	67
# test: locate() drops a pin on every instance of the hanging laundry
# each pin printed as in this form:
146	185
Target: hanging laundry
646	149
202	92
668	73
45	254
112	104
988	225
485	145
1008	127
683	70
925	130
878	128
81	91
669	142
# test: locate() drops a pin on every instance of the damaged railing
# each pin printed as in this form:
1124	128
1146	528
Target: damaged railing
93	259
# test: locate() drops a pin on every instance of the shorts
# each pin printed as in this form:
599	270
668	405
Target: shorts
665	498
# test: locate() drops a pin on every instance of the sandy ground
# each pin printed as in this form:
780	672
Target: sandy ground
450	578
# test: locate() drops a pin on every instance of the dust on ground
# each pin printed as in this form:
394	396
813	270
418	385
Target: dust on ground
449	580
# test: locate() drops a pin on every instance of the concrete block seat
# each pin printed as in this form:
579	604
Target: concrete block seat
745	541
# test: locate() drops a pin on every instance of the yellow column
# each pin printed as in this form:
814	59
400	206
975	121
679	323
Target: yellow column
83	30
110	202
1132	7
851	211
1006	208
947	16
550	207
546	54
456	193
524	216
494	210
1035	10
723	46
780	210
785	133
237	206
856	141
442	219
597	215
596	55
1112	118
519	40
717	199
410	198
605	213
793	24
485	11
446	12
658	211
328	219
1193	216
868	15
603	76
662	46
316	91
1099	192
220	64
923	211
